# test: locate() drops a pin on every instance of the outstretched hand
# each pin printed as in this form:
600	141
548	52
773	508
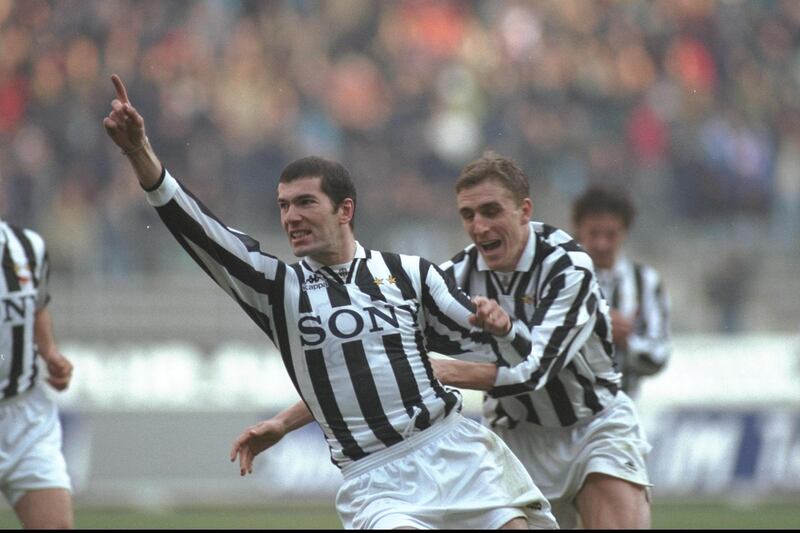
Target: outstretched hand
255	440
124	124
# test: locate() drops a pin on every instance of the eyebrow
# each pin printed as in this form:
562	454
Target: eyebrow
480	206
298	198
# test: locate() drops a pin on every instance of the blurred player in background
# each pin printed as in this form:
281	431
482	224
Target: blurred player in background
560	409
33	473
351	326
602	218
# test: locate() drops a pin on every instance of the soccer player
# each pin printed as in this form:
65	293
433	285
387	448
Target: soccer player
561	409
352	325
562	413
33	473
602	218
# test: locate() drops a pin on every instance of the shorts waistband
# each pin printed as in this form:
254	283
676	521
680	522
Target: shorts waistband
376	459
17	397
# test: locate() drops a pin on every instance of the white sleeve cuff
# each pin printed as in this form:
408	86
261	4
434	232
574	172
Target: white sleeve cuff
164	192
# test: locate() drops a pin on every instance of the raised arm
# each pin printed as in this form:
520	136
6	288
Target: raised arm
230	257
125	126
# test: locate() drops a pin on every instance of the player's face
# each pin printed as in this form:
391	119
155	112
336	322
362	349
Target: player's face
496	223
602	235
312	225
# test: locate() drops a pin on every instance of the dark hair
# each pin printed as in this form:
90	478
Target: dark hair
335	180
599	199
502	169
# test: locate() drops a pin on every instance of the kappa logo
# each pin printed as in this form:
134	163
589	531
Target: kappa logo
630	465
314	282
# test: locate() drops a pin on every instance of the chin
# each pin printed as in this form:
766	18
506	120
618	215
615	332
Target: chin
498	265
299	251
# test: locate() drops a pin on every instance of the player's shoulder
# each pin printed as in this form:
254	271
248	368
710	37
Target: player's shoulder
554	244
395	259
462	258
550	234
26	236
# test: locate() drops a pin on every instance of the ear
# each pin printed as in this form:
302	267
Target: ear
527	210
347	210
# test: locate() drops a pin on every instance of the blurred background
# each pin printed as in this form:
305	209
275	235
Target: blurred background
692	105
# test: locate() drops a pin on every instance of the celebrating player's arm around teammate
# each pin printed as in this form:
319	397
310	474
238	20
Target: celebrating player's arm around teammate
560	410
33	473
351	326
602	217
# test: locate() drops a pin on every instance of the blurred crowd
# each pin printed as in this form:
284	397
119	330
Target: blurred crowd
693	105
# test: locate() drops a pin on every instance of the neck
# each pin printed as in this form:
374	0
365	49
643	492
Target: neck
344	253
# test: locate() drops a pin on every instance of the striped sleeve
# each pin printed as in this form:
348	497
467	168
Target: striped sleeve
561	324
231	258
448	331
36	254
649	345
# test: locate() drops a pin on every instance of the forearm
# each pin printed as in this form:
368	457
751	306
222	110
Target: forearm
294	417
43	334
464	375
146	165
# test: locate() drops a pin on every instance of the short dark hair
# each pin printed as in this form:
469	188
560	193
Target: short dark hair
335	180
599	199
492	165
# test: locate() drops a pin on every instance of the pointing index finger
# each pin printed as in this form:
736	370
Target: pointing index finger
122	94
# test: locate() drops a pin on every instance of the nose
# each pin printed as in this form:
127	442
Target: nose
291	214
479	225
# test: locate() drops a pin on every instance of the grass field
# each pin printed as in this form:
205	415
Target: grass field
665	516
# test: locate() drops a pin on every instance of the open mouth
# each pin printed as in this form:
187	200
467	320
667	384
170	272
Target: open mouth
299	234
488	246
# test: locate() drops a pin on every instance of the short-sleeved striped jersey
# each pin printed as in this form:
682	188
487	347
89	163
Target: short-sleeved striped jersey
353	342
23	289
636	291
569	374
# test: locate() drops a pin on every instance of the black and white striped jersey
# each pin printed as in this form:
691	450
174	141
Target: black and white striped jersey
353	340
23	290
569	374
637	292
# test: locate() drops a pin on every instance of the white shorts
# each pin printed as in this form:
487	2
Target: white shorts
454	475
559	459
30	446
